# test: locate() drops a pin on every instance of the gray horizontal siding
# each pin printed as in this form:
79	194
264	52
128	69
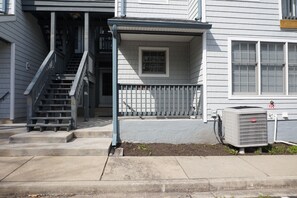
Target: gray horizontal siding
29	47
69	5
196	60
175	9
178	63
246	19
4	79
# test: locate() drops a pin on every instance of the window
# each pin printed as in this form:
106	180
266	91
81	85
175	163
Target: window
153	61
272	67
3	6
292	68
289	9
244	67
263	68
7	7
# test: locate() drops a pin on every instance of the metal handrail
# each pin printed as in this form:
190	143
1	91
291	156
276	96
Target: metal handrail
53	63
41	71
4	96
77	86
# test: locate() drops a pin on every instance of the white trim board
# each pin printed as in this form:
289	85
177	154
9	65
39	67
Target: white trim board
166	49
259	95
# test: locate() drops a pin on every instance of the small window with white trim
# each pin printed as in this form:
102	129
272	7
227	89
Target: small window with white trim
154	61
292	68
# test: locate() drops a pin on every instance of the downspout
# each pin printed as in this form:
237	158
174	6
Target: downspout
199	15
123	8
115	86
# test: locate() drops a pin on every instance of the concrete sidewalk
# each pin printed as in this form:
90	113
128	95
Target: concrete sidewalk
95	174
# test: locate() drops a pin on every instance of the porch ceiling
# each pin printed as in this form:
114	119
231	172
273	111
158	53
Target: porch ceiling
159	26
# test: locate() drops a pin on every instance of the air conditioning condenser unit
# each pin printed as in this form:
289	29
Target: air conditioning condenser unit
245	126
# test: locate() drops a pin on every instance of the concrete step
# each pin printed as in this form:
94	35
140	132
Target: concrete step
92	134
77	147
6	132
93	131
41	137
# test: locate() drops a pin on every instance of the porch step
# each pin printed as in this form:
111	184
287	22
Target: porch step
94	132
77	147
41	137
7	132
48	126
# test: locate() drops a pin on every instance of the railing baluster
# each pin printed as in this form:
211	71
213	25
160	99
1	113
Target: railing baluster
163	100
178	110
173	98
159	109
145	88
131	98
169	99
126	100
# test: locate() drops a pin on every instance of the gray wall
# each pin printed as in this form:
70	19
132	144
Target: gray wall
244	19
69	5
196	60
4	78
185	131
30	47
178	63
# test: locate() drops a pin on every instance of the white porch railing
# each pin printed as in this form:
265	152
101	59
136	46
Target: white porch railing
160	100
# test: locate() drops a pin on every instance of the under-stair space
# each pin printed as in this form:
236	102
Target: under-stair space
54	109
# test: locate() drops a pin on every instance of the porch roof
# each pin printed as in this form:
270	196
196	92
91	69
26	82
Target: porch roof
158	26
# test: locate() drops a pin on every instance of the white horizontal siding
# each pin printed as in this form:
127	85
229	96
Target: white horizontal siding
244	19
29	47
4	78
178	63
174	9
192	9
196	60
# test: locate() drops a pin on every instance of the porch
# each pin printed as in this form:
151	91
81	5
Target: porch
157	70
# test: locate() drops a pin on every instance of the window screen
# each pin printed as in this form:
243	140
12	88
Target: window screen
244	67
153	62
292	68
272	67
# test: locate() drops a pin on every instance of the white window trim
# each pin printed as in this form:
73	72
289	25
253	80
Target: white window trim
166	49
259	95
153	2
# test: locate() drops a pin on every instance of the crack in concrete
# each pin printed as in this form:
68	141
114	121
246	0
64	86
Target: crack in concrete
17	168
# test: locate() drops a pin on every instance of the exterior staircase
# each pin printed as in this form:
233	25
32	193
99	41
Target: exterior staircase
54	109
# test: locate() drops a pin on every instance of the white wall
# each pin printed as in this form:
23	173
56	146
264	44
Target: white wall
196	50
129	66
245	19
174	9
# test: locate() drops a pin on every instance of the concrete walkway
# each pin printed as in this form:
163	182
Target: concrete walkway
97	174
